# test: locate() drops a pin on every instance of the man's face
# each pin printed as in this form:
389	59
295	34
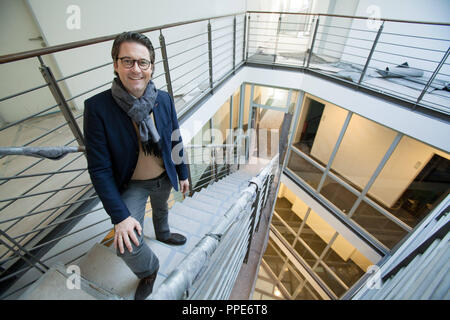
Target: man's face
135	79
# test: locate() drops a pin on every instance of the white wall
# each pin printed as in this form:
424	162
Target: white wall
103	18
18	28
106	17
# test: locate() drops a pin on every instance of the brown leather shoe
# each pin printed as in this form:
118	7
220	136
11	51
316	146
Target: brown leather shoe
145	286
175	239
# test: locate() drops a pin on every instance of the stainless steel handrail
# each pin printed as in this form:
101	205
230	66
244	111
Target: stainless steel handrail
190	268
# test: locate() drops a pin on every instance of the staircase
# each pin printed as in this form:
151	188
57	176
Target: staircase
106	276
419	269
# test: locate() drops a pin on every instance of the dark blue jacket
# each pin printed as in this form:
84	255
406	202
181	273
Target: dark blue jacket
112	147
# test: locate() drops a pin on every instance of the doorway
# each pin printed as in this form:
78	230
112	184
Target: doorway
271	132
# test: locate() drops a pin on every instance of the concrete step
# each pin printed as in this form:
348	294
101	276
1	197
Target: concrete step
230	183
219	194
230	186
195	214
236	177
196	204
102	266
215	197
217	189
192	236
218	186
200	196
241	174
53	285
235	186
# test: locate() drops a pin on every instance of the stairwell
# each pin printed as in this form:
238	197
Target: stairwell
106	276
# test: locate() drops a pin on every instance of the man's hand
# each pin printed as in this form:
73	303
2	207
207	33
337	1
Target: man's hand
124	231
184	186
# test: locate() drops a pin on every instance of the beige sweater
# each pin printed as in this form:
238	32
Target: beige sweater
148	166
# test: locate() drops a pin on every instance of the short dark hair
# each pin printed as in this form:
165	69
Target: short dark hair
132	36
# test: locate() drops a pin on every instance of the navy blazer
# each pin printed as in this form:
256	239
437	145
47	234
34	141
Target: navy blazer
112	148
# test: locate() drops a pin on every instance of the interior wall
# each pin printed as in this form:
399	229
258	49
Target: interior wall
363	146
328	132
221	121
407	161
333	29
236	99
22	75
55	23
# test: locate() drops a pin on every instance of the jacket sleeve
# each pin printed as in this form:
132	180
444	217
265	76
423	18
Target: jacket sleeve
100	166
177	143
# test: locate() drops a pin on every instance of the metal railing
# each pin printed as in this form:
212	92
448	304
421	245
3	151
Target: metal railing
382	283
223	159
209	271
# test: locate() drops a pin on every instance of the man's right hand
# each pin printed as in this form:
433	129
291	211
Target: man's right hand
124	231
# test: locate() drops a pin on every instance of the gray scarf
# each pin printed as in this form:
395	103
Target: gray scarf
139	110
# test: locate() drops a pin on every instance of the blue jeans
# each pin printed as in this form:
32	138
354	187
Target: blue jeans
142	261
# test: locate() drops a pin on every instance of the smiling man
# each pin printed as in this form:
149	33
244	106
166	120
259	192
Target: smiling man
128	133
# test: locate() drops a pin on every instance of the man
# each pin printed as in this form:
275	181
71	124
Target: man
128	135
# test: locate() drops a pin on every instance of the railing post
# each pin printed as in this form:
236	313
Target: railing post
246	32
363	73
312	43
227	159
234	44
27	256
252	224
210	56
165	60
215	164
266	191
278	38
432	77
191	192
59	97
238	154
263	200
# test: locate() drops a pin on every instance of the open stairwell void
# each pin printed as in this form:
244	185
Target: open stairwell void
103	275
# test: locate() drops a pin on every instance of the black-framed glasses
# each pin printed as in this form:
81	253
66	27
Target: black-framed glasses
128	63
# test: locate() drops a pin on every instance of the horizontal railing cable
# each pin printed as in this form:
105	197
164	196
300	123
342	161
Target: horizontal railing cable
187	50
184	39
40	182
48	209
188	61
84	71
28	117
23	92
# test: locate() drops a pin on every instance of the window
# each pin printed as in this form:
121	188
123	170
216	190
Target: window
318	247
337	153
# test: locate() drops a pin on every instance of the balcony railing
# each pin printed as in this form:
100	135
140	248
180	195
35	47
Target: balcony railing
193	59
